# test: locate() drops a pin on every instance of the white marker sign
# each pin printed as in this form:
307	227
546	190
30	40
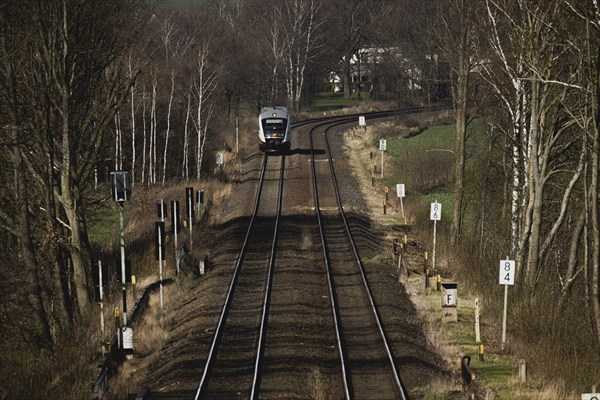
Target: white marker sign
507	272
400	189
361	121
382	144
436	212
590	396
219	158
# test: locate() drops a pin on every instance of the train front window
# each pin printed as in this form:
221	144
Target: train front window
274	125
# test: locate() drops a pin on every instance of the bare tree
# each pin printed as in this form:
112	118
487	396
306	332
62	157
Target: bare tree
205	81
300	22
588	12
532	57
73	84
457	44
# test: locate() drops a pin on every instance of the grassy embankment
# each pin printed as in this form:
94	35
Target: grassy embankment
421	157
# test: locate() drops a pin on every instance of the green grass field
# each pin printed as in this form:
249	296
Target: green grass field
326	101
103	225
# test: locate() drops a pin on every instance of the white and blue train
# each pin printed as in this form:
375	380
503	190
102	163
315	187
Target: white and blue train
274	133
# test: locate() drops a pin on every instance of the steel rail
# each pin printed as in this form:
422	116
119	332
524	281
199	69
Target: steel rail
202	386
346	386
370	115
265	314
346	378
369	294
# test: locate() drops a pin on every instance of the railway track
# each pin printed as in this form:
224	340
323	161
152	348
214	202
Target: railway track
234	361
368	368
254	350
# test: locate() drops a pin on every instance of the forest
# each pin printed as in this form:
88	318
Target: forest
89	87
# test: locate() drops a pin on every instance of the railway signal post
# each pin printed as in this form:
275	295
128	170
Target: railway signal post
121	192
189	197
382	147
175	227
400	192
161	245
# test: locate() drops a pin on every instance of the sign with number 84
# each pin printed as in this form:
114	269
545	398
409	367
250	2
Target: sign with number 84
507	272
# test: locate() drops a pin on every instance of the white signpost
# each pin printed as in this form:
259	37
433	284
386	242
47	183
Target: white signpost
219	159
362	121
506	277
435	216
382	147
590	396
400	192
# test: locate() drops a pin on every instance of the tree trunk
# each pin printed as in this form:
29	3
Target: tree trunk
68	195
168	132
461	116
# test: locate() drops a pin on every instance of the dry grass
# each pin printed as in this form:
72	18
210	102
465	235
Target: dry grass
317	384
150	335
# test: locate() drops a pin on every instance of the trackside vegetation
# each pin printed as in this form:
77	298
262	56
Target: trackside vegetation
420	155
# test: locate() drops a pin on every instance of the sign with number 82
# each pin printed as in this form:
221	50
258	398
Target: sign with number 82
507	272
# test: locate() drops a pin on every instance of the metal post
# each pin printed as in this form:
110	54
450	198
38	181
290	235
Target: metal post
504	316
402	209
175	228
433	251
102	331
160	261
123	274
160	255
381	164
191	201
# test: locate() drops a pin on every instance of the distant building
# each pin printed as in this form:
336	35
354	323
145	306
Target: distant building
386	69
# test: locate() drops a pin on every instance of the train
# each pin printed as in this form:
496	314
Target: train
274	132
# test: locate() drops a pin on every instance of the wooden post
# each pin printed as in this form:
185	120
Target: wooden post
134	288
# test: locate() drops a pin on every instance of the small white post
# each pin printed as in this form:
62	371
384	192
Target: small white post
522	371
477	329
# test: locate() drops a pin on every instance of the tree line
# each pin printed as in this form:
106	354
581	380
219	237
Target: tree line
117	85
530	70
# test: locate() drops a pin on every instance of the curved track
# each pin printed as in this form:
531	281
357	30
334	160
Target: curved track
368	368
268	329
